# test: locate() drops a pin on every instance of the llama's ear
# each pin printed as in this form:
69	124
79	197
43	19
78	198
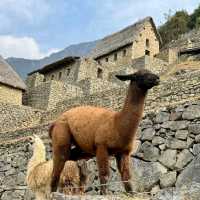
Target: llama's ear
129	77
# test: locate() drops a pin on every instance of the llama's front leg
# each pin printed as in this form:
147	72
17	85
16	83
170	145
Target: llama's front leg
61	152
59	159
123	164
103	166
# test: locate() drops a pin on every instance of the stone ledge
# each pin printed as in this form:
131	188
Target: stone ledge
59	196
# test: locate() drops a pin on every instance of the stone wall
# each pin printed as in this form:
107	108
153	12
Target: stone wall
38	96
156	65
66	73
60	91
124	57
34	80
181	87
140	44
167	155
10	95
14	117
113	99
46	95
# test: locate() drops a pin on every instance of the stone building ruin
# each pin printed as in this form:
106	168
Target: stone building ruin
122	52
186	47
11	85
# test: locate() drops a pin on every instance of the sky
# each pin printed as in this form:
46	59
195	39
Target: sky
36	28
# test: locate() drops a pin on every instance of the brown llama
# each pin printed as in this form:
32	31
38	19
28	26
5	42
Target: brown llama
101	132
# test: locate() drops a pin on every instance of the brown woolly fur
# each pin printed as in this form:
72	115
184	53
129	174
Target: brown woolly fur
101	132
71	181
39	172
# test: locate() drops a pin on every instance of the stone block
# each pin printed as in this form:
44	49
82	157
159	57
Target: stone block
151	153
192	112
183	158
162	117
196	149
147	134
181	134
194	128
157	140
168	179
168	158
176	144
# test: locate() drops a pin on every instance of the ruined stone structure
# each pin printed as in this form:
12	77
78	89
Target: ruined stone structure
129	44
186	47
11	85
68	78
122	52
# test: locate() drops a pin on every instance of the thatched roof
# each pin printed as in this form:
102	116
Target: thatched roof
122	38
9	77
56	65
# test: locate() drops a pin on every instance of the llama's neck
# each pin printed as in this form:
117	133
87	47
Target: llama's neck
39	156
129	118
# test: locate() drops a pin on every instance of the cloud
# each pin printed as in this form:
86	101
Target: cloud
16	12
22	47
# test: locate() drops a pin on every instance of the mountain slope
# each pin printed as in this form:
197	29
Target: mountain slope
24	66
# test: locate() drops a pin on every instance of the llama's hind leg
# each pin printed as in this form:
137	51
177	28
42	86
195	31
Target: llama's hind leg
123	164
61	143
103	166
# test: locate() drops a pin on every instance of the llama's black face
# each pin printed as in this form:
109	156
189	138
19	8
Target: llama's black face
143	78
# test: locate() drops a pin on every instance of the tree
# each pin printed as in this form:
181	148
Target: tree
194	18
176	25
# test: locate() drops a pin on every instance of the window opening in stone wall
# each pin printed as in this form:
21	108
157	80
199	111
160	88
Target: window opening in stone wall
60	75
147	43
52	77
115	56
124	52
44	80
99	62
107	59
68	71
147	53
99	73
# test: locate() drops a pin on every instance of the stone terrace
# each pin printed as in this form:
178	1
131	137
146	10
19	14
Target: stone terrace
174	90
167	154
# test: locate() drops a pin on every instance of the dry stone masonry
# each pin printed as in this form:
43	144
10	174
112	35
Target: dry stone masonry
166	162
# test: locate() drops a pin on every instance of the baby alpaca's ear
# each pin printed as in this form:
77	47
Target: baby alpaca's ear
128	77
35	136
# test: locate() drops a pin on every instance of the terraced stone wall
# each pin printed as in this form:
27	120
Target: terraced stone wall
166	155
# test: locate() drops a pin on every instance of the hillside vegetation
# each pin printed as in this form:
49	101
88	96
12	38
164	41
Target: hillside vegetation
179	23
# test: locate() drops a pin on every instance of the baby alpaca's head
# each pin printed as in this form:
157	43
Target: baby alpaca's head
143	78
38	144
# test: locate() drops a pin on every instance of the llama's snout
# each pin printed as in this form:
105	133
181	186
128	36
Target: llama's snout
156	80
